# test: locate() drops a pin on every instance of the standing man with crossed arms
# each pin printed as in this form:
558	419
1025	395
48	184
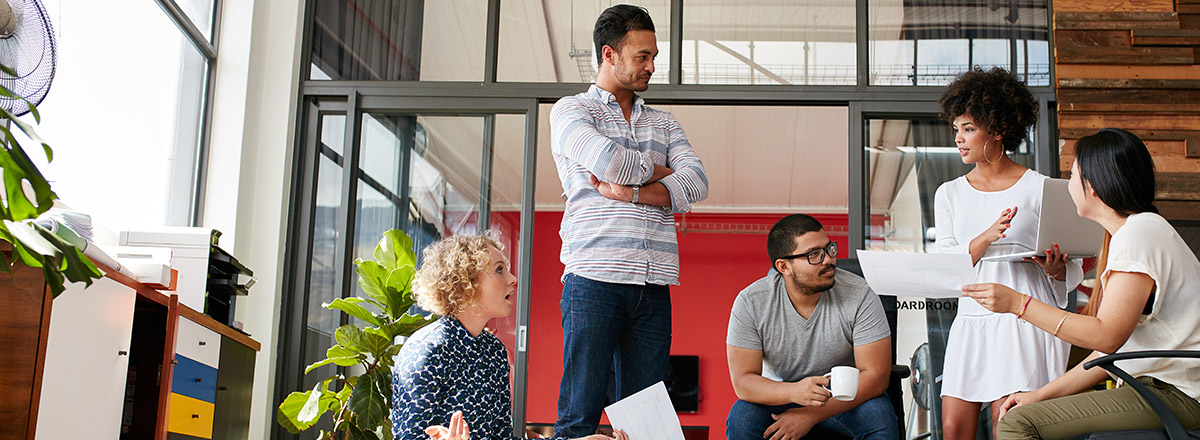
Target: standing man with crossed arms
625	169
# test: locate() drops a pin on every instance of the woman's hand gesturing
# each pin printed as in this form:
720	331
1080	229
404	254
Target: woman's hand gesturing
998	228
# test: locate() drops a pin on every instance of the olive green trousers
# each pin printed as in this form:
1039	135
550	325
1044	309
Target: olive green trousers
1119	409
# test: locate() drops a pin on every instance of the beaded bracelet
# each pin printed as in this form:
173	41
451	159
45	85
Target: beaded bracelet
1023	307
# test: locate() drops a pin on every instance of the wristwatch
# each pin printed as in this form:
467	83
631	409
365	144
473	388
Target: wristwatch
635	193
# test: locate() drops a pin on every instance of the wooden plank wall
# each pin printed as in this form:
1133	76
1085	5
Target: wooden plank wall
1134	64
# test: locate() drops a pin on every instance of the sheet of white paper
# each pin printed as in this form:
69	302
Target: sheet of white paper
646	415
917	275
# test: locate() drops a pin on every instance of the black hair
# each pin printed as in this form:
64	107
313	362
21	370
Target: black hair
781	241
614	23
1118	167
996	99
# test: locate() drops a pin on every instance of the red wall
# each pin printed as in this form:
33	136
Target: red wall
714	268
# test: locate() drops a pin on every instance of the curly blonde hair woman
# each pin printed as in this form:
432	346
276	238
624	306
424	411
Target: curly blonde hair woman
452	371
445	284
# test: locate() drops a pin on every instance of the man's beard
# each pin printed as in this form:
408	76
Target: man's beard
812	290
632	83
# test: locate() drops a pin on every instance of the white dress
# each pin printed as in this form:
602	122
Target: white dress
990	355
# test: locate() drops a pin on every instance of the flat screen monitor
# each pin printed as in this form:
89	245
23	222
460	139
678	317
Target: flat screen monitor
683	383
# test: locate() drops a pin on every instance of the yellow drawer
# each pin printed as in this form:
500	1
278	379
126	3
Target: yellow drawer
190	416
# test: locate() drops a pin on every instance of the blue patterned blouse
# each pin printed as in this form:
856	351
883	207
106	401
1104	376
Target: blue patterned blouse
442	369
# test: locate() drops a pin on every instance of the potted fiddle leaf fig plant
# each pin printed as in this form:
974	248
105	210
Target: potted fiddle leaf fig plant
27	196
360	404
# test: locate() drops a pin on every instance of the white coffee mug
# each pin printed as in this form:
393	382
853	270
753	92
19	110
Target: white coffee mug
843	382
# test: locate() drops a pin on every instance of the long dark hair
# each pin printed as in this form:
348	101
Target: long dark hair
1117	166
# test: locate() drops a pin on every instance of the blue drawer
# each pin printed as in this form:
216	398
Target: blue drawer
194	379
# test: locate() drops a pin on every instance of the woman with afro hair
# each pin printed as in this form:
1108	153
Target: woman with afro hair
990	211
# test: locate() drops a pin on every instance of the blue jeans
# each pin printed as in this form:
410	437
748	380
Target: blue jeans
605	323
873	419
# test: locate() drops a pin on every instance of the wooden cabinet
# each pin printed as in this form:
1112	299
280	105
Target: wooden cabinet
23	332
121	361
87	361
194	382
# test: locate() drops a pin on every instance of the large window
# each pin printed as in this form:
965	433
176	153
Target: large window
551	41
758	42
128	110
928	43
398	40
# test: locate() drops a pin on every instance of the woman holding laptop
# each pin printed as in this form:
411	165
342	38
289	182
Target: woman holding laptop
1146	300
994	210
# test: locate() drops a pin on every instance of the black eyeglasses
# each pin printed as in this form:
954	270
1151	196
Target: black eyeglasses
816	256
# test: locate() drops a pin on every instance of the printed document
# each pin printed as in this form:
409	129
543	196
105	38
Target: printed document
917	275
646	415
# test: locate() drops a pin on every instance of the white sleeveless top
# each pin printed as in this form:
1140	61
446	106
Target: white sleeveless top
1147	244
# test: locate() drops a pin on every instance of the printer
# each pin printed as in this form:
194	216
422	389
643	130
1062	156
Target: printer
210	279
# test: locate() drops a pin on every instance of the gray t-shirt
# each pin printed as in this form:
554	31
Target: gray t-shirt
793	348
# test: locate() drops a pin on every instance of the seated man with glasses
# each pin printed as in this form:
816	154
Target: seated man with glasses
790	328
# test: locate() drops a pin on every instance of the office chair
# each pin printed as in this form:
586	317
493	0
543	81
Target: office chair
895	388
1172	429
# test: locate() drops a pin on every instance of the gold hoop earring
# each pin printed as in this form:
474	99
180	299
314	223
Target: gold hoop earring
985	155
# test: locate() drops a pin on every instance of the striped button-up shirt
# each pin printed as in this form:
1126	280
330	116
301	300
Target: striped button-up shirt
611	240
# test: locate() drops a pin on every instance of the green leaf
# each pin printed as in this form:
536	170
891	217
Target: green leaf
371	398
385	432
376	345
318	364
30	237
76	267
355	433
351	307
343	357
350	337
344	393
33	111
355	339
54	278
17	167
395	249
394	350
312	407
25	128
406	325
288	410
372	277
399	288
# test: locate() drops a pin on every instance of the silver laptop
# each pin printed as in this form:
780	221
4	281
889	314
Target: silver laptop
1059	223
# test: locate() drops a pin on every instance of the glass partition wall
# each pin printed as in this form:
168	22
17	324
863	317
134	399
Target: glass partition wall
432	117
